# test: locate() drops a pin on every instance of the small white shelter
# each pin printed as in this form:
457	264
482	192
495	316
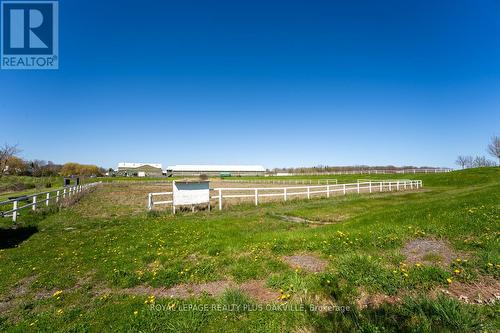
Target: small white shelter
190	193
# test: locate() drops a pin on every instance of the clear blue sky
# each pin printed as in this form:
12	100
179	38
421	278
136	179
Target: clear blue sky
277	83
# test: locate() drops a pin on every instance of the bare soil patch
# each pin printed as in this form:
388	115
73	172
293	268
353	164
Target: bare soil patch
296	219
429	251
183	291
256	289
484	291
366	300
80	283
21	288
307	262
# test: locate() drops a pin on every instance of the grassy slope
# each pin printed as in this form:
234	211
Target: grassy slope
244	242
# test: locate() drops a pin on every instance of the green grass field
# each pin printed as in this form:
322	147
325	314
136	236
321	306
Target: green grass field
101	266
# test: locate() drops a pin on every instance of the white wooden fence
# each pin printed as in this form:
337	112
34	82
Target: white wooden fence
43	199
286	193
282	181
369	172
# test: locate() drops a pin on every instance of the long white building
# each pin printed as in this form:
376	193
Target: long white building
215	170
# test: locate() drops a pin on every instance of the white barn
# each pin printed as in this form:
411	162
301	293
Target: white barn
215	170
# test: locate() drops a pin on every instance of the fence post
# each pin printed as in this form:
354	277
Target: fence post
397	185
381	186
64	193
220	199
358	187
370	186
344	189
284	193
150	201
34	203
411	184
256	197
327	190
14	213
390	188
308	192
47	201
57	196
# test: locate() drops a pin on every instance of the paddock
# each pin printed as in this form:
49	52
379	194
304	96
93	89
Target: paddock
223	193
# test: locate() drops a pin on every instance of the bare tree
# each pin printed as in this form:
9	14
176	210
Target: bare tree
494	148
464	161
482	161
469	161
6	153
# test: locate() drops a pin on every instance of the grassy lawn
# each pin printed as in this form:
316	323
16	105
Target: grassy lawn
102	265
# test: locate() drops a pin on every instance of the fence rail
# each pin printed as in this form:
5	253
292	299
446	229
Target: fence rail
367	172
286	193
43	198
282	181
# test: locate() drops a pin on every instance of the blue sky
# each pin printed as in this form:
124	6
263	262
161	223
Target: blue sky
277	83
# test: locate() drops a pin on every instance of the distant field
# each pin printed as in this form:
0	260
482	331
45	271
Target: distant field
426	261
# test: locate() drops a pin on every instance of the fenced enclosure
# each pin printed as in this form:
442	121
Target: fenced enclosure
222	194
40	199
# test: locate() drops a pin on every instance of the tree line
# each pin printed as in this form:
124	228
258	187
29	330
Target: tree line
12	164
468	161
326	168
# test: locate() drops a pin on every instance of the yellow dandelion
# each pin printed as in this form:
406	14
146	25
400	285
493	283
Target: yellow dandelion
136	312
449	280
